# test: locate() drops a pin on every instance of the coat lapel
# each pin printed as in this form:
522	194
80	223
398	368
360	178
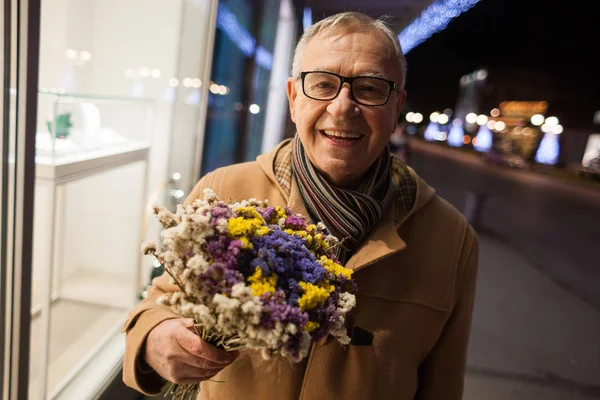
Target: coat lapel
383	241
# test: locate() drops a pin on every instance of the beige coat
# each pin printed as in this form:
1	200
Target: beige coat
416	276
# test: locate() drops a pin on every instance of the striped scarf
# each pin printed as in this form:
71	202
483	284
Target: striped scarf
348	215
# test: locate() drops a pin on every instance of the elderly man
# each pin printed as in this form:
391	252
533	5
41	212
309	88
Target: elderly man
414	256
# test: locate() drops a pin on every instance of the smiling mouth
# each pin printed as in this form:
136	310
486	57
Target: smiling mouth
341	135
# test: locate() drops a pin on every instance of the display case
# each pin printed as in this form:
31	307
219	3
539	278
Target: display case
90	193
79	132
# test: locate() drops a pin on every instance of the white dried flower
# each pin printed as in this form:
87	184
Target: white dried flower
181	210
242	292
225	304
204	316
235	206
331	240
165	300
281	223
210	195
291	329
168	257
346	302
340	333
165	217
304	345
222	225
252	310
189	287
149	248
185	275
176	297
198	264
187	310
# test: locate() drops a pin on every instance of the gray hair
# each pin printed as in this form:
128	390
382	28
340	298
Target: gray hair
347	22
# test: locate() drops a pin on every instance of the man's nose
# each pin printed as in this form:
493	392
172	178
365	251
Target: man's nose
343	106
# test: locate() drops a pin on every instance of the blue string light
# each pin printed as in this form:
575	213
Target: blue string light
549	149
430	132
455	137
307	18
484	139
229	24
264	58
434	19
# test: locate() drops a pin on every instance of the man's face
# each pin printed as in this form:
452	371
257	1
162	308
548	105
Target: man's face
343	161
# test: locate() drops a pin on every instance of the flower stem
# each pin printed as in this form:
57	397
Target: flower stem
170	274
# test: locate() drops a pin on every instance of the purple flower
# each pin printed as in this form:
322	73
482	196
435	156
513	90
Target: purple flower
224	250
325	316
217	279
276	309
288	257
295	222
220	211
268	214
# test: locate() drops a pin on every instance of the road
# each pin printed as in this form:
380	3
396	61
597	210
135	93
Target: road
554	225
536	323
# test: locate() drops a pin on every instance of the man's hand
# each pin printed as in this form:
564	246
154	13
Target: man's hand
177	354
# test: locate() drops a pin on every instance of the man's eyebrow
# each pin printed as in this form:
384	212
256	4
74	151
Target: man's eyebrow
375	75
324	70
368	74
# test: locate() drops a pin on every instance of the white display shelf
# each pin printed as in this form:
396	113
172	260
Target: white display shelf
96	287
76	328
70	167
91	287
88	289
37	298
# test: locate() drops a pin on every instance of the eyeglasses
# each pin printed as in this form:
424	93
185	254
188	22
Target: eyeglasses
365	90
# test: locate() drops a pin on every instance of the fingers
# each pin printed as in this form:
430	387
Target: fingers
199	348
186	357
181	356
187	374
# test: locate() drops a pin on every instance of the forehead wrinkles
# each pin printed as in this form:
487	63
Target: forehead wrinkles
336	36
357	56
373	52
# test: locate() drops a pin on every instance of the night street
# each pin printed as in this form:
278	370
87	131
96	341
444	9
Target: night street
536	326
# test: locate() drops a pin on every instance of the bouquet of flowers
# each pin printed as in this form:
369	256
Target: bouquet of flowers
253	276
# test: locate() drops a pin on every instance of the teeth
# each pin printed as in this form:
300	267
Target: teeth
340	134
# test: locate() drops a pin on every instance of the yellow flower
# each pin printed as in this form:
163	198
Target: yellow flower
250	223
260	284
250	213
314	296
311	326
335	268
246	243
280	212
319	242
327	286
314	242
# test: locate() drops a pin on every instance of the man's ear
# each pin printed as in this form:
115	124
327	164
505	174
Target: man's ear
291	94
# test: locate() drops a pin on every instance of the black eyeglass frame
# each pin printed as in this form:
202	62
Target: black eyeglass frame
393	86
